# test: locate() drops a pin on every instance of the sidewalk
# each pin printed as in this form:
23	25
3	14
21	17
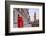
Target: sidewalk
25	25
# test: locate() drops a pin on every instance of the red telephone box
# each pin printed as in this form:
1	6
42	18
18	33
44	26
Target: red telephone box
20	22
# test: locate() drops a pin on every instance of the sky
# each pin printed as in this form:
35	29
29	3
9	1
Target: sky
31	13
